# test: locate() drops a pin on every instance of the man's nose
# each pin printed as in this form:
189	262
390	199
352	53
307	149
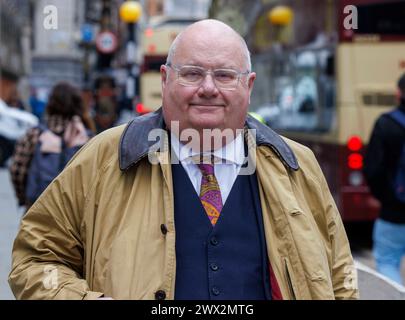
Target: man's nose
208	86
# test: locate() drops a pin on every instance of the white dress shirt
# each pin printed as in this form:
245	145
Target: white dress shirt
226	173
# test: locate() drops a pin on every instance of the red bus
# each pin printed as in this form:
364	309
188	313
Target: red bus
324	81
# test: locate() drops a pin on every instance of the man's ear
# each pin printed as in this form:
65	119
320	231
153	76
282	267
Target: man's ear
250	83
163	75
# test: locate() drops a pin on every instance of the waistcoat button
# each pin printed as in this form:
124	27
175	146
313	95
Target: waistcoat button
214	241
215	291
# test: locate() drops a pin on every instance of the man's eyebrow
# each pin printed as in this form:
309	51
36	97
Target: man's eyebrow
195	64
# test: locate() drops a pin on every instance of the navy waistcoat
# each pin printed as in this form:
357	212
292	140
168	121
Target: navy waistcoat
228	261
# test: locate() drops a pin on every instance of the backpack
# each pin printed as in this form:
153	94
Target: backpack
399	178
45	166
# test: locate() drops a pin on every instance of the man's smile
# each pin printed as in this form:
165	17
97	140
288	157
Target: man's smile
206	105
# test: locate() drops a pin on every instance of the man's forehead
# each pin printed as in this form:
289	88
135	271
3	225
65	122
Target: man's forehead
209	63
212	52
209	26
210	35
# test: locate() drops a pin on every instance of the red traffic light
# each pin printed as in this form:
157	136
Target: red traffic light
354	143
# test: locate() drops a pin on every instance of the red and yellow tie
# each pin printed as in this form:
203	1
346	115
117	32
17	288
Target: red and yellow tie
210	194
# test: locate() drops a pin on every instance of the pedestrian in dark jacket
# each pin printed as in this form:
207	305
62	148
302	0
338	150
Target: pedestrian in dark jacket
64	105
381	164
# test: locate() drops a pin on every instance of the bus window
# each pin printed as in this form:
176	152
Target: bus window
300	89
382	18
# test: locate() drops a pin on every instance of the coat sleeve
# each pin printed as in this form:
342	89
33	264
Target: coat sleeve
49	250
343	271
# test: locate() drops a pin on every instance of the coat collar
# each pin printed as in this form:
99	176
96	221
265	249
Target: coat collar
138	139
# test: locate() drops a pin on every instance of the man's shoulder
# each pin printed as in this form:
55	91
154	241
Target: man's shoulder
124	143
102	147
306	158
109	137
300	151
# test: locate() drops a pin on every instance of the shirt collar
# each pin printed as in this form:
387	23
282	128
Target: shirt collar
233	152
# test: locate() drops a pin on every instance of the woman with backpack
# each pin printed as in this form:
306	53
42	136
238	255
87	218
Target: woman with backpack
41	154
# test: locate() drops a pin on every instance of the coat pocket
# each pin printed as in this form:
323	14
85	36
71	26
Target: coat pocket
289	279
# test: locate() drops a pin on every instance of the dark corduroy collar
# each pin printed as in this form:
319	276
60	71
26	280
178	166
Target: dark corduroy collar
137	140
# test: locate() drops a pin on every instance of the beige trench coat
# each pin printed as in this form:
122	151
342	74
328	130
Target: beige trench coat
97	228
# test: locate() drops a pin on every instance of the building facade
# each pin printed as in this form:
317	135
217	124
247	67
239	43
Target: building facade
56	54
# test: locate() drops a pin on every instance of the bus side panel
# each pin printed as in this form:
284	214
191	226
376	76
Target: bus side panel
151	88
367	75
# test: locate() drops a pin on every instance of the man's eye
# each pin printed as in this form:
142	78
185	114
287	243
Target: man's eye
191	74
225	75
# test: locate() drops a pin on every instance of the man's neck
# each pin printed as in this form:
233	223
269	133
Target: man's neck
232	151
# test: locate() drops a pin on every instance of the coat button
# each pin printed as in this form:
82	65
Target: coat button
215	291
160	295
214	241
163	229
214	267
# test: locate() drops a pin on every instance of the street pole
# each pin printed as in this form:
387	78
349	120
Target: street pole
131	84
130	12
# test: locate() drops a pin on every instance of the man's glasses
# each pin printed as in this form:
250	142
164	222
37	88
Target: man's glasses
193	76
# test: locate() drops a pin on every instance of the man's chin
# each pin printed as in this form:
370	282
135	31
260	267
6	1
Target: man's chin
201	124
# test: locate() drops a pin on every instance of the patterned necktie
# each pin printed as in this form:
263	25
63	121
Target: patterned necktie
210	193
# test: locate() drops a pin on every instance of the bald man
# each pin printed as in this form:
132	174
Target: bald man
194	201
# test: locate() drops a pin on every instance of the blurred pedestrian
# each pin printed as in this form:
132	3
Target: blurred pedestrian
105	103
383	168
88	104
16	102
14	122
126	220
37	105
66	124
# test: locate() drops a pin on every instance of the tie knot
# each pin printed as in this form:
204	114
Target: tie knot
206	169
205	159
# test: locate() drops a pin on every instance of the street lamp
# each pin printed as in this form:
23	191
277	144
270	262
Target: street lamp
130	13
280	18
280	15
